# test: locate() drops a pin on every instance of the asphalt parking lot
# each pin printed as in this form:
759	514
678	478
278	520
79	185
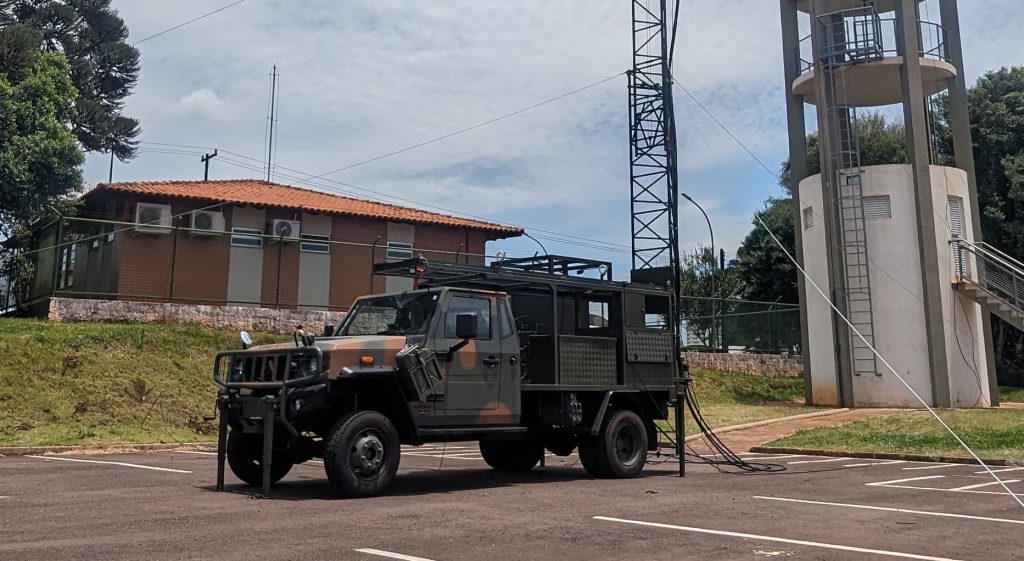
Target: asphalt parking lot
447	505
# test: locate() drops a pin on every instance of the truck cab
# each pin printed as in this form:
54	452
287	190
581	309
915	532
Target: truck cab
520	367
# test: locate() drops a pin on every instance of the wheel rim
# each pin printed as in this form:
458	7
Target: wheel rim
627	445
367	454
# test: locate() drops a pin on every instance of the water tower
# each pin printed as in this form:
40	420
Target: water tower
882	240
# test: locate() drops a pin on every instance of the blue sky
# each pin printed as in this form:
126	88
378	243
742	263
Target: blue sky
363	78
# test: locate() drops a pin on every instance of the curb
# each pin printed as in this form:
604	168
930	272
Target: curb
104	448
884	456
756	424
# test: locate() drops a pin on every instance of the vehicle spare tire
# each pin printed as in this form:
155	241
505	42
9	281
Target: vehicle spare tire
619	450
511	455
245	457
362	454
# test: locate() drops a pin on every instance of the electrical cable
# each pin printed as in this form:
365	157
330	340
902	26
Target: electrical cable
193	20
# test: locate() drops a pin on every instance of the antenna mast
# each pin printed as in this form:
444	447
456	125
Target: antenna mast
272	118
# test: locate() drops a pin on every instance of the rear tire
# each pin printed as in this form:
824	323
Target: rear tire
511	455
245	457
620	450
362	454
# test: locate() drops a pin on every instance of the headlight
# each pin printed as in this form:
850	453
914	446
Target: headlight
312	367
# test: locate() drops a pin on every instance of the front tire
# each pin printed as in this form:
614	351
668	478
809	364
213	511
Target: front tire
620	450
362	454
245	457
511	455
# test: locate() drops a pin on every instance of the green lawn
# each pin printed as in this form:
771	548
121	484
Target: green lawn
733	399
84	383
1011	395
992	433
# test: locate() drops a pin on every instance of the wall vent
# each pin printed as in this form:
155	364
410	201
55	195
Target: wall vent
877	206
808	218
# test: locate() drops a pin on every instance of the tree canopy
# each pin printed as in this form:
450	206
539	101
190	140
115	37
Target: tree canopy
102	66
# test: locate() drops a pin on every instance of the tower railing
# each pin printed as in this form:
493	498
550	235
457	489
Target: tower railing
991	270
934	41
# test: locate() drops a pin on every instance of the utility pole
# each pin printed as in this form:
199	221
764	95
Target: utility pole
110	177
206	161
273	102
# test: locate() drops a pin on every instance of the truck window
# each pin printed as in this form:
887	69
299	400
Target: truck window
481	307
504	320
408	314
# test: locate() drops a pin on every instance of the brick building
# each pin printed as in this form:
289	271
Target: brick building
241	242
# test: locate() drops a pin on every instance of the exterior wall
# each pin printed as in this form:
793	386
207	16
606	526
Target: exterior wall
264	320
314	268
245	264
351	264
770	366
897	297
280	265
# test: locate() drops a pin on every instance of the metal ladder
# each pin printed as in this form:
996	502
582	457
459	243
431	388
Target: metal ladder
849	38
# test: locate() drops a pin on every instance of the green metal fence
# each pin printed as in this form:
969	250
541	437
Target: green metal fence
723	325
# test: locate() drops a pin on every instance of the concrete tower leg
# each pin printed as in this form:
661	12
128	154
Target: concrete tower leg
963	148
918	154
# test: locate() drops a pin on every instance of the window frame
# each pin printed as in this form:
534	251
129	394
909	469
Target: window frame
252	234
308	243
406	248
490	318
66	272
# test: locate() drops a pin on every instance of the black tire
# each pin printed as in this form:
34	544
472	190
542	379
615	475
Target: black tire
362	454
620	450
245	457
511	455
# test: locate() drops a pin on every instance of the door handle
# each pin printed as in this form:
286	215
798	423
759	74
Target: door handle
491	361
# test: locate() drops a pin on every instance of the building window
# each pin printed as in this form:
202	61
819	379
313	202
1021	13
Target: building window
246	237
877	207
399	251
66	275
315	243
808	218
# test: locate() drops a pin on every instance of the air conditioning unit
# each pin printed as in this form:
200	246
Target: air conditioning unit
207	223
285	229
152	218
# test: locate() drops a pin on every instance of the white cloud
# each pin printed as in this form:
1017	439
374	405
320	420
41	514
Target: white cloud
202	103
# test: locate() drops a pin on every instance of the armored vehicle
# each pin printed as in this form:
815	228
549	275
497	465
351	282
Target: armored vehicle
522	356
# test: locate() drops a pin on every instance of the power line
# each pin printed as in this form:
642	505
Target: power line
180	25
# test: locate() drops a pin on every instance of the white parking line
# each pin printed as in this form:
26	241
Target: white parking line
999	470
818	461
197	452
890	509
894	481
391	555
122	464
938	466
866	464
777	539
4	497
980	485
781	457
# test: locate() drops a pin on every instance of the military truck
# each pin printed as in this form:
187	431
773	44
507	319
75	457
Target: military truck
521	355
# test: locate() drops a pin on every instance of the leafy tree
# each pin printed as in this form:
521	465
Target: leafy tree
102	66
767	275
704	286
40	160
997	126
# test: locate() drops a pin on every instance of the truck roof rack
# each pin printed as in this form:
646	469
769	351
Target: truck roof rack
538	272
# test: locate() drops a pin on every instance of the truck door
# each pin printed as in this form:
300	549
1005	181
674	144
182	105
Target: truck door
511	383
473	376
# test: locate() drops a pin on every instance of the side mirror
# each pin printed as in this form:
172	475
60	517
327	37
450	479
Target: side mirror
328	330
465	326
246	339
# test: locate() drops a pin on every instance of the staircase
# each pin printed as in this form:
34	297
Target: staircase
991	278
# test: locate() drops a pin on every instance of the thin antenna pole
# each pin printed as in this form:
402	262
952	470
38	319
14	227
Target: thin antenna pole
273	100
110	177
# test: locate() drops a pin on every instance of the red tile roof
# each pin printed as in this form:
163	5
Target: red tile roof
256	192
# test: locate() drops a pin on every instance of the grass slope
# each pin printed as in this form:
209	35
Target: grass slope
1011	395
90	383
992	433
732	399
83	383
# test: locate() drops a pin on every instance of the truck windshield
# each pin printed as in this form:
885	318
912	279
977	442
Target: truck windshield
402	314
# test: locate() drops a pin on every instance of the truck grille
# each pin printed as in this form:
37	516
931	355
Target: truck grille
268	368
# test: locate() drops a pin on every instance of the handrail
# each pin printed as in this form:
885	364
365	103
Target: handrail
933	37
983	248
1000	275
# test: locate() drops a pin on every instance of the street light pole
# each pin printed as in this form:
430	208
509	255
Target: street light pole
713	263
